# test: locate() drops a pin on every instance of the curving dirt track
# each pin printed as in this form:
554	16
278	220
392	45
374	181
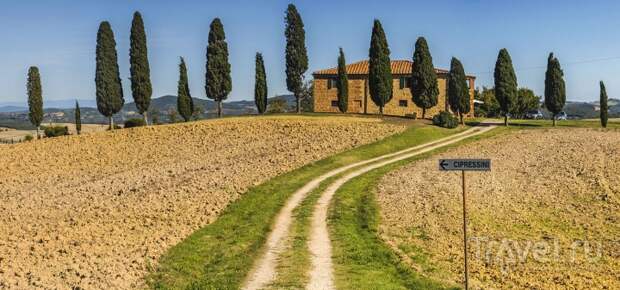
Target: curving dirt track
96	211
321	273
546	217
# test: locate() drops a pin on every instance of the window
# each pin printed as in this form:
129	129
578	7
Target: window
402	103
331	84
335	103
358	103
405	82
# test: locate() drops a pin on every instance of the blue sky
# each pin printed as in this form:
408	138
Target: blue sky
59	37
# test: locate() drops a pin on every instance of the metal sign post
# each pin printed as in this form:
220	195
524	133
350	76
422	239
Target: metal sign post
465	232
465	165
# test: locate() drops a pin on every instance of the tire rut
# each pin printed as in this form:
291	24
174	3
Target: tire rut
264	271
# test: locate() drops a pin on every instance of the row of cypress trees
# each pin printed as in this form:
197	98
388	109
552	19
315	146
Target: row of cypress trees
424	88
218	84
506	85
109	89
555	87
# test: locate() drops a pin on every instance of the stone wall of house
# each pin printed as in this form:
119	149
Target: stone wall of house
326	98
472	87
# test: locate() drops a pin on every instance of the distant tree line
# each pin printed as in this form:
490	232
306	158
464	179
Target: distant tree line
525	102
504	99
218	82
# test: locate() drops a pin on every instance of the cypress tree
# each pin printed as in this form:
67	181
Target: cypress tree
458	92
505	83
603	105
296	54
196	110
555	90
342	83
379	68
35	98
424	89
107	78
78	118
218	81
260	85
184	98
140	71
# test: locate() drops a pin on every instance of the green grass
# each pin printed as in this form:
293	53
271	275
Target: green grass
361	259
294	263
221	254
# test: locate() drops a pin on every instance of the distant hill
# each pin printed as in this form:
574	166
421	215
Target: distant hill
69	104
10	109
588	110
164	103
161	104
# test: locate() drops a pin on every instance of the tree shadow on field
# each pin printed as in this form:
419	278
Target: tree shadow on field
473	123
524	124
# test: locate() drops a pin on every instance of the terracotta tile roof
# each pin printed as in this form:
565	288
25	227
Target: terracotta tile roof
361	68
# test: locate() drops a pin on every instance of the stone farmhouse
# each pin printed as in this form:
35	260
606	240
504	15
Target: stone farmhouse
326	100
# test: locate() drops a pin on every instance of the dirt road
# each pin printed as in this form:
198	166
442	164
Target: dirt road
321	275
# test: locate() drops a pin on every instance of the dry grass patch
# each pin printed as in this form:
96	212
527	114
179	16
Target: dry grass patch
97	210
549	191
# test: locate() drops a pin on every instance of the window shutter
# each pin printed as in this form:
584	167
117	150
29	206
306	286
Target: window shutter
402	83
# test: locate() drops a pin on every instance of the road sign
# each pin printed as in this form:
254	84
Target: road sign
465	164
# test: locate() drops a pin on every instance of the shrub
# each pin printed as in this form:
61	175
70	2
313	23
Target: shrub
136	122
446	120
28	138
55	131
116	126
277	106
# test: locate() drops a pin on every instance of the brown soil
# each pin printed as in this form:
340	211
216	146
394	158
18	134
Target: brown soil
546	217
97	210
